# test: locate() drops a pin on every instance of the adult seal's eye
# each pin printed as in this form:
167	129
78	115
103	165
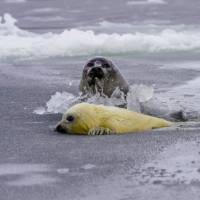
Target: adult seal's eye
70	118
106	65
90	64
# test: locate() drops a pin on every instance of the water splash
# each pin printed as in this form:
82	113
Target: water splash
58	103
16	43
61	101
139	94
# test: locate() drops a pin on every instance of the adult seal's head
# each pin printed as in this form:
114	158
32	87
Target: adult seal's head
101	76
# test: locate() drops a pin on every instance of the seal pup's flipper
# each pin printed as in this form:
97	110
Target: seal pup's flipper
100	131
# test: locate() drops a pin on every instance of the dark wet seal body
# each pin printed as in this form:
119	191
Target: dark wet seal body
101	76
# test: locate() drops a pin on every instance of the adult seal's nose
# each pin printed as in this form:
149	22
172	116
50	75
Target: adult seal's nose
96	72
60	129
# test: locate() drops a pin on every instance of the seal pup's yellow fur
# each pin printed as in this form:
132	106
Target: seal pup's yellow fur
91	119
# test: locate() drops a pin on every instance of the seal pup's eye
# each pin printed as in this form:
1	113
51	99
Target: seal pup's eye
70	118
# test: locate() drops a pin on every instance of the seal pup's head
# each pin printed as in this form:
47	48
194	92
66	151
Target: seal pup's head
78	119
101	76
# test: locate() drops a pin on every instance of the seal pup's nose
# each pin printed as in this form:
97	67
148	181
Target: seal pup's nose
60	129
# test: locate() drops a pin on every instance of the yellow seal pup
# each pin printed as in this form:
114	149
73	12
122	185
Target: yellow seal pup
91	119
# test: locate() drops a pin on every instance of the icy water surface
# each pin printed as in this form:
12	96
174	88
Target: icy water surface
160	34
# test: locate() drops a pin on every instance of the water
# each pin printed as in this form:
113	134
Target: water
160	37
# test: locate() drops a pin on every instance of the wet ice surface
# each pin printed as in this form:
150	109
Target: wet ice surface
146	2
178	164
36	174
8	169
31	180
63	170
187	95
26	174
111	167
15	1
173	166
88	166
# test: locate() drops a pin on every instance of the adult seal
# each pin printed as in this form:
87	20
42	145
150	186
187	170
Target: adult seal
101	76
